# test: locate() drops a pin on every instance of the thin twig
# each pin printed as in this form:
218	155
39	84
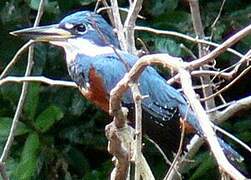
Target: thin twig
178	153
183	36
118	24
199	73
226	104
3	171
231	137
130	24
15	58
38	79
168	162
216	19
23	93
228	85
242	104
138	128
109	12
120	8
222	48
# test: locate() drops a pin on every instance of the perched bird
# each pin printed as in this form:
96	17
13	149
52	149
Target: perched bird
96	64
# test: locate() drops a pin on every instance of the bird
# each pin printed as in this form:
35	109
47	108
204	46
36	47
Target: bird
96	63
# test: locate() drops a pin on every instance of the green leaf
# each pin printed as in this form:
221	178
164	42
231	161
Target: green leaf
5	124
77	160
32	100
48	117
40	56
242	126
26	169
34	4
207	165
86	2
53	7
175	20
11	92
167	45
160	6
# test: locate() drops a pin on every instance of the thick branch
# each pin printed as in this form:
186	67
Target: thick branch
117	148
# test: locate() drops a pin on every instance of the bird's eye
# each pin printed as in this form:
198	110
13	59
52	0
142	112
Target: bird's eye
80	28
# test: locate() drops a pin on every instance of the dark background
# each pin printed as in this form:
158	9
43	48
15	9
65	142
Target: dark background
60	135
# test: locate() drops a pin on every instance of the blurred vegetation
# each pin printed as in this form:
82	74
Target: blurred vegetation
60	135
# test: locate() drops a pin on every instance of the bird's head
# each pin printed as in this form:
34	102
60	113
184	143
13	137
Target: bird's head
74	31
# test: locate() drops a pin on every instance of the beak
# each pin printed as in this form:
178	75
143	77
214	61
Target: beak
44	33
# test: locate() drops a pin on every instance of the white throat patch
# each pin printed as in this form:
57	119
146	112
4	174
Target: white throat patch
76	46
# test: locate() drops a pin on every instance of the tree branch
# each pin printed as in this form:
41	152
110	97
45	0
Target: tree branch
38	79
186	37
118	24
130	24
242	104
222	48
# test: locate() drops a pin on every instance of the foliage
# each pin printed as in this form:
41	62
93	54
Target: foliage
60	135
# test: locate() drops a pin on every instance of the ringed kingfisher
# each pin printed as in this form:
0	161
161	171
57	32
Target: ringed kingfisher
96	64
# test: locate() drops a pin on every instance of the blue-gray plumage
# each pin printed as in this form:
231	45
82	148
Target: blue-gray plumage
97	67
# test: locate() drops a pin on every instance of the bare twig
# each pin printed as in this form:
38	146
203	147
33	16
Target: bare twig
228	85
222	48
138	128
130	24
15	58
118	24
198	73
23	93
242	104
38	79
232	137
216	19
120	8
109	12
168	177
3	171
168	162
183	36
